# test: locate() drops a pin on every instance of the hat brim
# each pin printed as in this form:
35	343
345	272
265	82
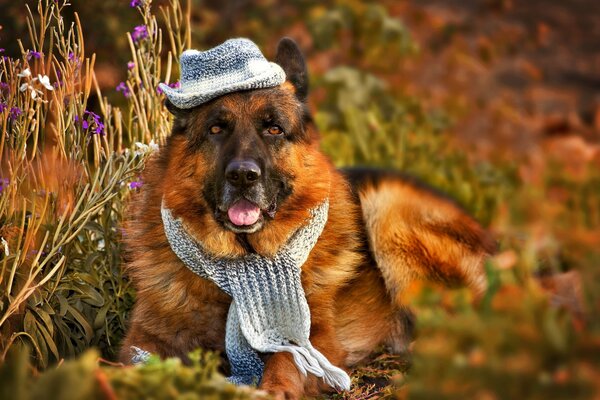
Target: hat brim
190	97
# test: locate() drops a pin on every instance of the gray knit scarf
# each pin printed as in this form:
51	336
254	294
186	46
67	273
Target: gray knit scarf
268	312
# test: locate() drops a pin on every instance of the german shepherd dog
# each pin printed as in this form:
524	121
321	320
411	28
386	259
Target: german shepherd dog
258	151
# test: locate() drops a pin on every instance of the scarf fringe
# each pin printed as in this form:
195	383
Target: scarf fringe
309	359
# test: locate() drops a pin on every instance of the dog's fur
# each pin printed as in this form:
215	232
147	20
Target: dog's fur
384	233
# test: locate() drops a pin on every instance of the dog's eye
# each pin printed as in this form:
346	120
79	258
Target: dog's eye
275	130
215	130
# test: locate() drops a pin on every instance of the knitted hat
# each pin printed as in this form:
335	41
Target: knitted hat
234	65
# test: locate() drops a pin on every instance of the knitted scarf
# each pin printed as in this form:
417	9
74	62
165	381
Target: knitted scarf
268	312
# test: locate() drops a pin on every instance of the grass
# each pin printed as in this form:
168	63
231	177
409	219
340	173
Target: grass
67	172
68	167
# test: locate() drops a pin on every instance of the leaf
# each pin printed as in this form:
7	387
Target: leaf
48	340
101	316
45	318
74	380
91	296
555	333
65	338
37	339
14	376
493	278
94	227
87	278
43	348
92	257
29	322
64	305
89	332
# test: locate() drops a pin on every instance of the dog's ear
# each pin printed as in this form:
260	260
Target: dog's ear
181	116
290	58
176	111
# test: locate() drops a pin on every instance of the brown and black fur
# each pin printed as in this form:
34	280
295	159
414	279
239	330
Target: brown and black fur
384	234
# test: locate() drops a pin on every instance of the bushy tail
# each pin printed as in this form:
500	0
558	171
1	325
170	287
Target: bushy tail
418	235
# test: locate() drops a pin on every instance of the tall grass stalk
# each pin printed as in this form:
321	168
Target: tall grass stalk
66	172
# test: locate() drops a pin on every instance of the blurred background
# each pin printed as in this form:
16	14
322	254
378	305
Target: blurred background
511	75
496	102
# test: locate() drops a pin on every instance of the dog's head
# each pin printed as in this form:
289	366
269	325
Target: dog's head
245	167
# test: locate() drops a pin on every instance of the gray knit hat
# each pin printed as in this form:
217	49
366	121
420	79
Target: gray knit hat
234	65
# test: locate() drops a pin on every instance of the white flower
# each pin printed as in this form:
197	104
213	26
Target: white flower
5	244
34	91
45	81
141	148
146	148
25	73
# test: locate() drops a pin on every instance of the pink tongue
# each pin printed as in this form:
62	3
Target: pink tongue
243	213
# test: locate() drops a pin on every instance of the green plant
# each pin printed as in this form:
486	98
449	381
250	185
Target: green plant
66	174
86	378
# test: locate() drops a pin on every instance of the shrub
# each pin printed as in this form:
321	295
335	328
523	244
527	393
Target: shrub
66	173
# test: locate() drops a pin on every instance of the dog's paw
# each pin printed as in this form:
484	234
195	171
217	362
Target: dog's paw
281	393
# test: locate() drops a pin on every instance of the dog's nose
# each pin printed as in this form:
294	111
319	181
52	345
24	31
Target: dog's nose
242	172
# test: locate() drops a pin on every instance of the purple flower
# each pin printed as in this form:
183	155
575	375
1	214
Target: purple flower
3	184
135	3
34	252
99	129
1	50
33	54
173	85
122	87
93	121
139	33
74	59
15	112
135	184
59	81
3	107
4	86
130	65
84	123
92	114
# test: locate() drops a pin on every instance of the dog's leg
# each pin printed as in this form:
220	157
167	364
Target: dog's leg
198	322
137	339
282	378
